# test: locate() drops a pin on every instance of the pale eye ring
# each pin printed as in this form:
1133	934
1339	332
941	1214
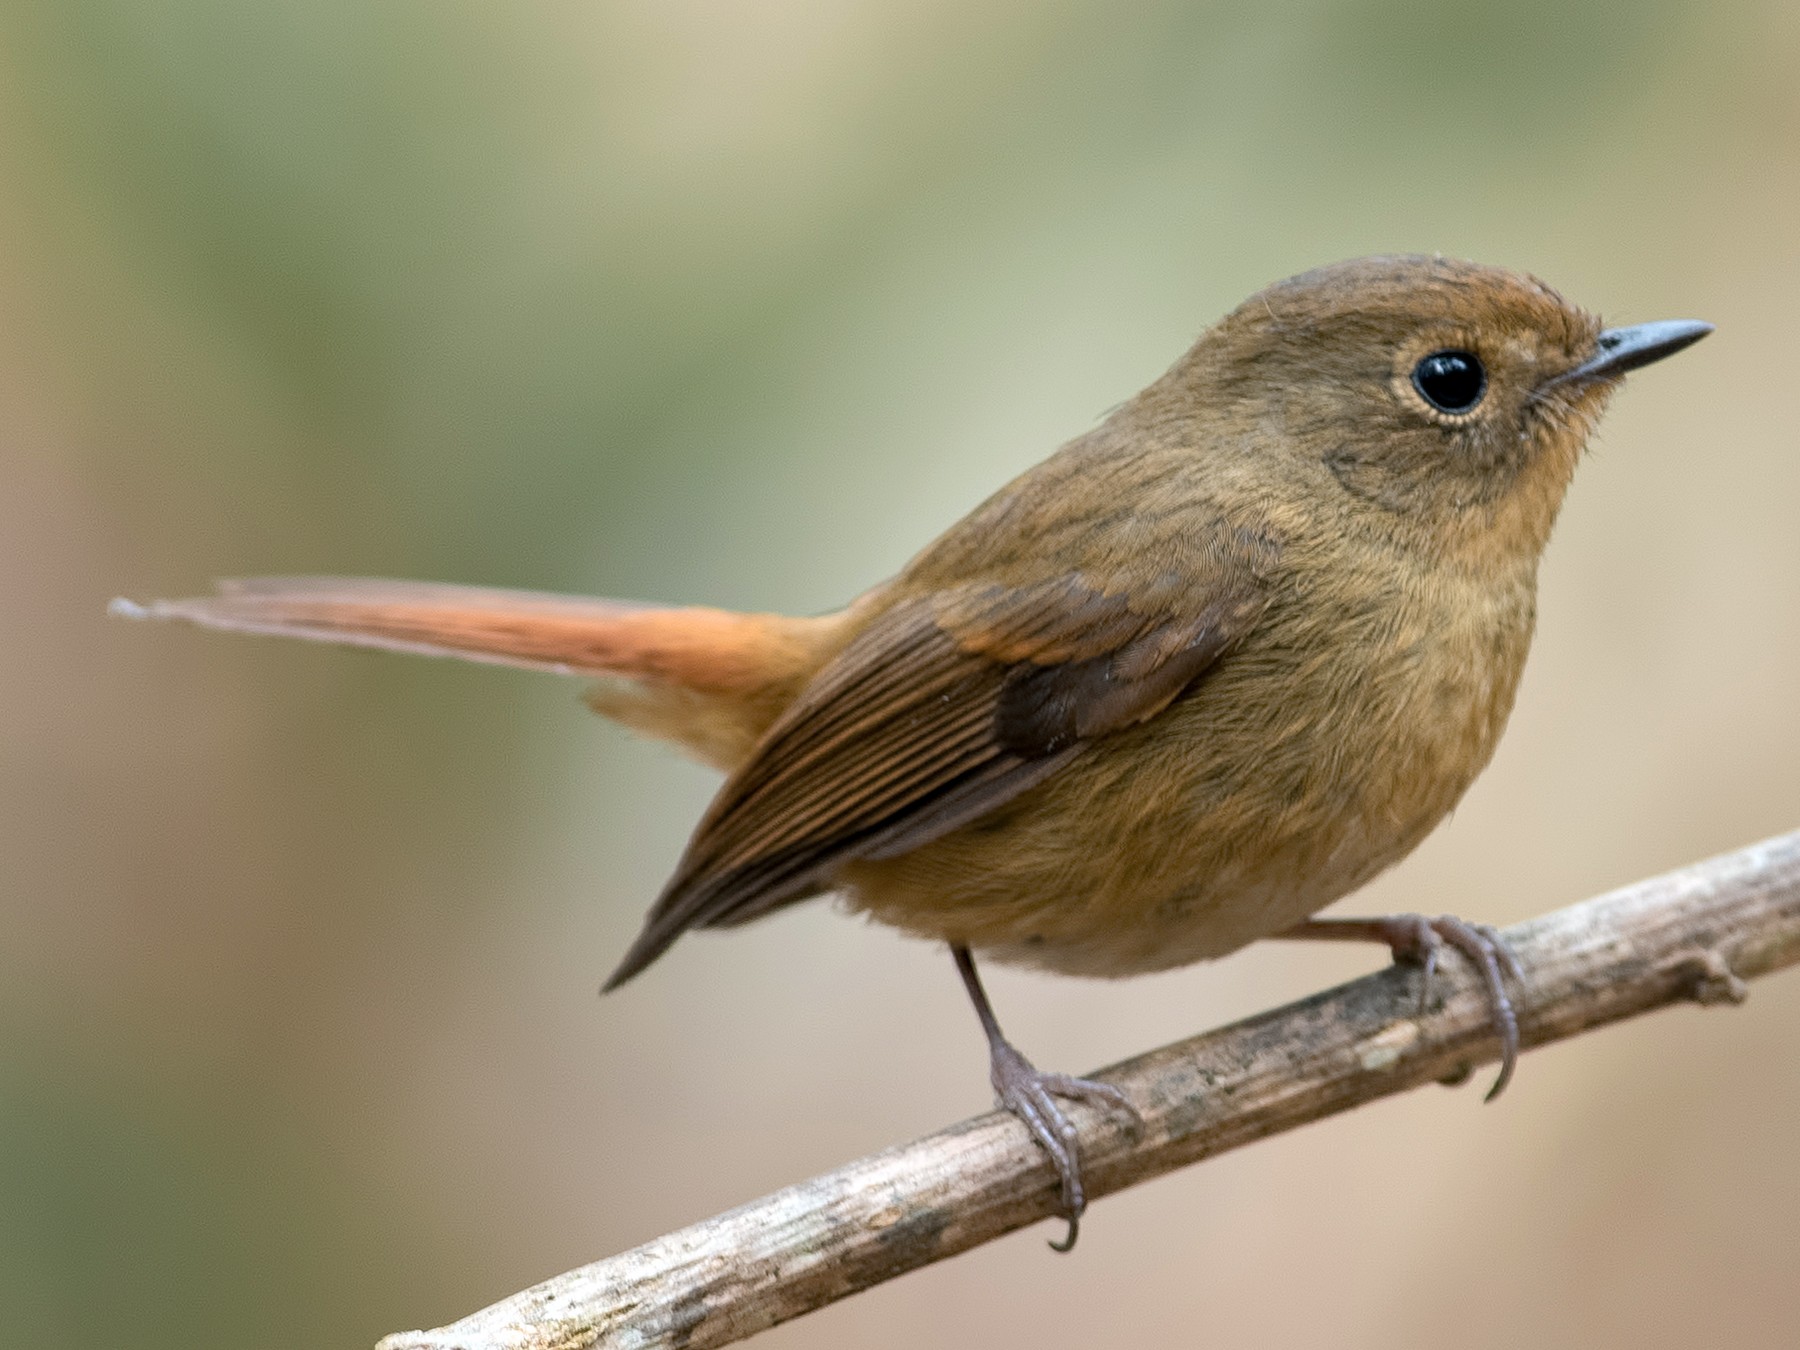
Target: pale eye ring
1452	381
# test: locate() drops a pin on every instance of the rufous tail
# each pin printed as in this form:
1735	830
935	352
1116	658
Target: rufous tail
709	680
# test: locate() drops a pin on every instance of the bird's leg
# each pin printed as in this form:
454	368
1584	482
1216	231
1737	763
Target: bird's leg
1418	940
1030	1094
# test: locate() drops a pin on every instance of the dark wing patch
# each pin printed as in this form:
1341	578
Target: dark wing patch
943	709
1044	709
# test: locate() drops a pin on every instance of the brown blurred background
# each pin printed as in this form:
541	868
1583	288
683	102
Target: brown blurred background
740	303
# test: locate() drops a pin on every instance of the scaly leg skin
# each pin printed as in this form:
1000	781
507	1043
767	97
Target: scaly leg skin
1030	1094
1418	940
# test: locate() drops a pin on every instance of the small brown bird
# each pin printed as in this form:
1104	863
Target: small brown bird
1211	666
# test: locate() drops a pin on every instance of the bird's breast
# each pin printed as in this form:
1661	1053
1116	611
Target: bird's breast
1304	764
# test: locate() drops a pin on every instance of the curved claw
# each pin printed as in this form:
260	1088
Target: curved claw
1416	938
1030	1094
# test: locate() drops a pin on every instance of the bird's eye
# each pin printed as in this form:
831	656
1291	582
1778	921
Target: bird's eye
1450	381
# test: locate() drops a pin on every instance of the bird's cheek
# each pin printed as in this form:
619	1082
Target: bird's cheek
1370	480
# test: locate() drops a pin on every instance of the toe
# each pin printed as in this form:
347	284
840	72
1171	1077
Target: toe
1485	947
1027	1094
1096	1094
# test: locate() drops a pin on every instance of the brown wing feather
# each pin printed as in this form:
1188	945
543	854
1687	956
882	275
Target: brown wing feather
945	707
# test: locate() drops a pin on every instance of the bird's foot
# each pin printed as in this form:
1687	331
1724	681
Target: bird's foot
1419	940
1030	1094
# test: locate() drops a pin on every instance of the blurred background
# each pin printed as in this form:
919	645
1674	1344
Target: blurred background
740	303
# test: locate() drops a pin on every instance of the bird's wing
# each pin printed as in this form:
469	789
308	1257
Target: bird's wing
949	704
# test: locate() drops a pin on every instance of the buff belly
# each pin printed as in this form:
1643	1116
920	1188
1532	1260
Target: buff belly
1141	908
1225	827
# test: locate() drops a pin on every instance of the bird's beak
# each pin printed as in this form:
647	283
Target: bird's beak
1621	349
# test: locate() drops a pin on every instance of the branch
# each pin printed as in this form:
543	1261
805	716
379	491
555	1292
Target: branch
1696	934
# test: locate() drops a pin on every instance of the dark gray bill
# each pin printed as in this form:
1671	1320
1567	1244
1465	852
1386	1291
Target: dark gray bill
1623	349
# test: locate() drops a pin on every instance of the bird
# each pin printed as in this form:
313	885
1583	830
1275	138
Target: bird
1210	667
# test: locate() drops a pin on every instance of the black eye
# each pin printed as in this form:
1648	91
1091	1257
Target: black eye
1451	382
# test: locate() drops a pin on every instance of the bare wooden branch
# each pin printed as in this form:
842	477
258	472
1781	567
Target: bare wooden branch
1697	934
